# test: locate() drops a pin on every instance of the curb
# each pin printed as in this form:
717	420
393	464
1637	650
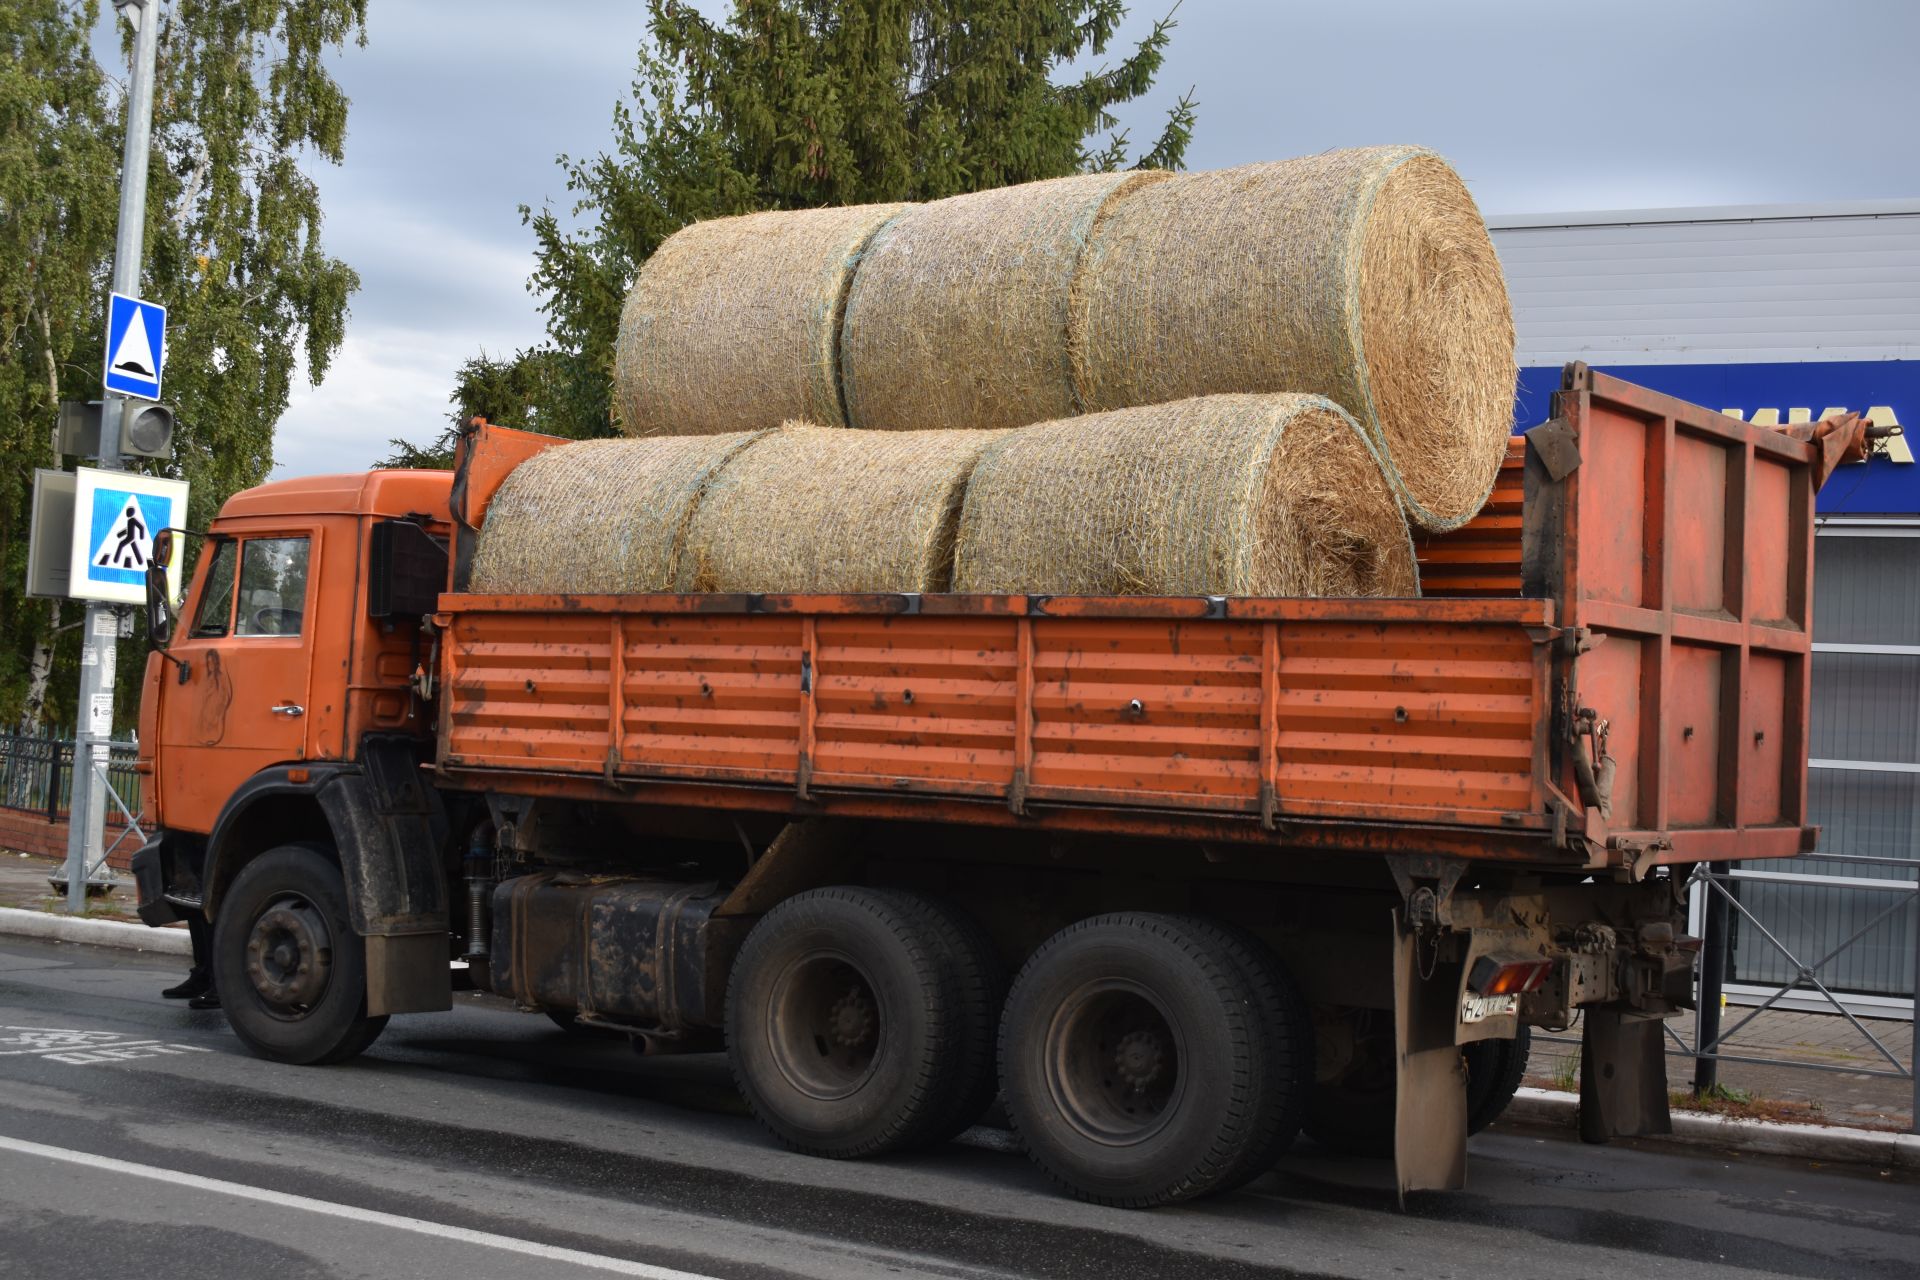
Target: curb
1832	1144
20	923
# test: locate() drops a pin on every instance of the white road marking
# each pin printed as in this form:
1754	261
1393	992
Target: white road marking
327	1208
81	1048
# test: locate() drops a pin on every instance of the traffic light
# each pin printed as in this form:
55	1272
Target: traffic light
145	432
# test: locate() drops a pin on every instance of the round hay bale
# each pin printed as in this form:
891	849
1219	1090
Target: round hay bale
1245	495
826	509
734	324
599	516
1366	276
958	315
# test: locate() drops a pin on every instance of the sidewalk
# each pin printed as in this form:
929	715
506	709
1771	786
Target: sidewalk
23	883
1782	1091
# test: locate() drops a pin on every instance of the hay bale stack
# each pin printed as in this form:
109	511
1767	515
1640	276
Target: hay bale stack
958	317
825	509
734	324
1248	495
1366	276
597	516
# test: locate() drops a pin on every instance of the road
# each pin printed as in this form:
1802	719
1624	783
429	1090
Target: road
139	1139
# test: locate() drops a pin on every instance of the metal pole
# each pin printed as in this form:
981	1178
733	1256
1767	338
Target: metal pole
86	816
1913	1050
1713	983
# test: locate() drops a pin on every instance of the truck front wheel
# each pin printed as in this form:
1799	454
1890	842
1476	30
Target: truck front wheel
290	970
860	1021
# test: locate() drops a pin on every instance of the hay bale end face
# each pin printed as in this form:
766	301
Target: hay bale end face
599	516
733	324
959	313
812	508
1248	495
1366	276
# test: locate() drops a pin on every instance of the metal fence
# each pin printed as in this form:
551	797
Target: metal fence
36	775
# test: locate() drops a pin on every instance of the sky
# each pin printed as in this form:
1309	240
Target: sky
458	112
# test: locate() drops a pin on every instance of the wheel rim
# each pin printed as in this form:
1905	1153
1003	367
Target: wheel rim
824	1024
290	956
1114	1062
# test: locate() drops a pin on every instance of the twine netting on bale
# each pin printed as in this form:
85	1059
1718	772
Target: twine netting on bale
1247	495
1366	276
734	324
958	317
826	509
597	516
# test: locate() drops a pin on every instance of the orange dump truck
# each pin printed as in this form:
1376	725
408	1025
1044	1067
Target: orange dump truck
1175	878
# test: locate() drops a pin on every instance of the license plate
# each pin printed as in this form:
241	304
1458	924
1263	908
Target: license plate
1480	1008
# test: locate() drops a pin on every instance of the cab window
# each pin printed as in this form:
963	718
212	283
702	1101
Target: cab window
273	587
216	597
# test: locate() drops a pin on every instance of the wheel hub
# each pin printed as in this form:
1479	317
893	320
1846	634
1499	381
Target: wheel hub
290	955
852	1020
1112	1061
1139	1059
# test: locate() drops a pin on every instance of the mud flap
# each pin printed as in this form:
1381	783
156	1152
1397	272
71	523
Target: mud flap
1623	1076
1430	1103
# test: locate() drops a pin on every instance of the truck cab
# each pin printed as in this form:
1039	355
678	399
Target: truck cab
290	663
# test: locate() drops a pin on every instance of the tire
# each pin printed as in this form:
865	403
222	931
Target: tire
1494	1071
290	970
1289	1022
1355	1115
980	984
1140	1062
857	1023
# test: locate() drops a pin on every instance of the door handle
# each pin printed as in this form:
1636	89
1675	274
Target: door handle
288	709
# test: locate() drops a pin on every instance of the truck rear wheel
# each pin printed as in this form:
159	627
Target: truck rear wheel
290	970
1147	1059
860	1021
1355	1114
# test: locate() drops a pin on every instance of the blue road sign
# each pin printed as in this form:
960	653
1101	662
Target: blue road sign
136	346
115	517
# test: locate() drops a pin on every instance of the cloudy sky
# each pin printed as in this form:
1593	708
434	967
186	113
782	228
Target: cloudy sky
1544	106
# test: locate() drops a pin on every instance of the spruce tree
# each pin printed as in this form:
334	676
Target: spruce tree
791	104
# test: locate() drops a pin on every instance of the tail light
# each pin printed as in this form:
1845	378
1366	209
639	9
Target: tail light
1496	975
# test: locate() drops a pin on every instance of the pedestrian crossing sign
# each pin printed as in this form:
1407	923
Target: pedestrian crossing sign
136	346
115	517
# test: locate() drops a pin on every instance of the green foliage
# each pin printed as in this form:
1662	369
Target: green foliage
800	103
511	392
242	100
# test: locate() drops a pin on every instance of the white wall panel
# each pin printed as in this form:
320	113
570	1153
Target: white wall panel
1716	286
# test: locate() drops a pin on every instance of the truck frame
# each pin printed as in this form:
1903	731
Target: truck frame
1256	865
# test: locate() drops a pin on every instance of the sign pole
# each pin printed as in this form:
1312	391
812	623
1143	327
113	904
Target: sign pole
93	735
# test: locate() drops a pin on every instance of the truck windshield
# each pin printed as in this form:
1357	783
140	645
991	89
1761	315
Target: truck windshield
216	599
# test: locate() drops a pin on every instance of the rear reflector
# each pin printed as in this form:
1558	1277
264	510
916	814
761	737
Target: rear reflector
1508	975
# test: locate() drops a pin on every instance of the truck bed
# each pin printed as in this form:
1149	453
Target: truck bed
1627	687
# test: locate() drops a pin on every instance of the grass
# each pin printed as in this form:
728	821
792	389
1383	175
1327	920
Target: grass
1743	1104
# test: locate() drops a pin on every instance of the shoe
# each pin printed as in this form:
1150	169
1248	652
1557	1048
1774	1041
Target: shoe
205	1000
193	986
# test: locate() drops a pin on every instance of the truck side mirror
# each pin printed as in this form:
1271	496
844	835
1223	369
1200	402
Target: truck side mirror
159	607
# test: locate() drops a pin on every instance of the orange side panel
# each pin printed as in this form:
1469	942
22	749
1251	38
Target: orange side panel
1378	711
1482	556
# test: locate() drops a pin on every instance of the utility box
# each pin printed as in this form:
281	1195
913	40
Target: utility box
50	542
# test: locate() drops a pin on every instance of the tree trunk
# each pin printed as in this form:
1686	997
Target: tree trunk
40	673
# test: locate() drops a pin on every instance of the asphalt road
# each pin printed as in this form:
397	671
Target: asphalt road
139	1139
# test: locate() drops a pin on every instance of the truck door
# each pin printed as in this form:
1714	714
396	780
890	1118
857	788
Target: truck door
247	646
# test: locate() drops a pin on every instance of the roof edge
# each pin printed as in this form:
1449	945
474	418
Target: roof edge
1904	207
